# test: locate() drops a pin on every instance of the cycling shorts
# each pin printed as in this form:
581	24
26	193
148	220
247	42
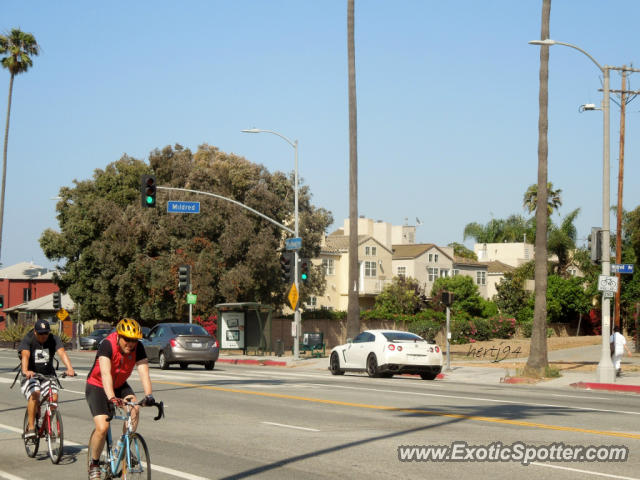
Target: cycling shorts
98	402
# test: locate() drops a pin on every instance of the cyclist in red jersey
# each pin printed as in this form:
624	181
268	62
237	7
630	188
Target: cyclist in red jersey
107	383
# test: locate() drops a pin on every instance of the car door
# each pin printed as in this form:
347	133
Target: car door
152	344
353	352
365	347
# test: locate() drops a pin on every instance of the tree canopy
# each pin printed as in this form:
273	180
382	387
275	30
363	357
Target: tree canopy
120	259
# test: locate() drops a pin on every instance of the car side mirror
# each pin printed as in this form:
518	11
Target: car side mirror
349	340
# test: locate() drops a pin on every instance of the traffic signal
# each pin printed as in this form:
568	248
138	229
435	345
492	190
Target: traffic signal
1	301
184	277
595	244
446	298
304	270
148	191
57	305
286	262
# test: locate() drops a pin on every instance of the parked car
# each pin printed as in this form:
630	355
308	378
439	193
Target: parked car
181	343
384	353
91	341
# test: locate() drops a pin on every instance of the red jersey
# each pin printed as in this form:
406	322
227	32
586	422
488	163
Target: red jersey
121	364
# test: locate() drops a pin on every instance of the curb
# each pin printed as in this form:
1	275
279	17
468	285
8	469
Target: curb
516	380
251	361
607	386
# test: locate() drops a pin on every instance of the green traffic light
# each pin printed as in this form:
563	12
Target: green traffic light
303	276
149	199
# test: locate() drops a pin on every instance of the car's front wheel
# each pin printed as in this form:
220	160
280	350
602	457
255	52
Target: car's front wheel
334	364
372	366
162	361
428	376
209	365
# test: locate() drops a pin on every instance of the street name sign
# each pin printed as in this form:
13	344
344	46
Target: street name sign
293	243
622	268
175	206
191	298
607	283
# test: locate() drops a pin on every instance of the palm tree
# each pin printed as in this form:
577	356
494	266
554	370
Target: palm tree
353	307
530	201
18	47
562	241
514	229
538	359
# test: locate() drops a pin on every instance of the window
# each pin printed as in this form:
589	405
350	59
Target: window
402	272
431	257
364	337
444	273
435	258
481	278
26	294
329	268
573	272
370	251
456	272
433	274
370	269
312	303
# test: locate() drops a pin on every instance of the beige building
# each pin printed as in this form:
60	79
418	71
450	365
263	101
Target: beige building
514	254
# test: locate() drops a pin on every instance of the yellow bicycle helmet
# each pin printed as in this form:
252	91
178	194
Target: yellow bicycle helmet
129	328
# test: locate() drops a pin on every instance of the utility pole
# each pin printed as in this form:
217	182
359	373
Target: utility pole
623	103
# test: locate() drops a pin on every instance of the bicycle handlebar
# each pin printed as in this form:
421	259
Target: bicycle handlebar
158	405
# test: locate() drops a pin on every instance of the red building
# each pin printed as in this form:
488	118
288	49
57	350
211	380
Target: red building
22	283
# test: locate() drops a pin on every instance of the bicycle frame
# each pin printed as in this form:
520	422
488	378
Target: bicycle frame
124	443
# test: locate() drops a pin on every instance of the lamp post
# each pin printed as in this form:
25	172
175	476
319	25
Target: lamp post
606	372
294	144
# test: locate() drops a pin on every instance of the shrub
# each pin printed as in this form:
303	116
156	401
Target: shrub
15	333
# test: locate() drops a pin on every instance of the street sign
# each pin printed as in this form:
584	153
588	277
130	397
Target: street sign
293	243
607	294
191	298
175	206
292	296
622	268
607	283
62	314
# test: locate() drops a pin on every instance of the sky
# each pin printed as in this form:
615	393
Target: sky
447	98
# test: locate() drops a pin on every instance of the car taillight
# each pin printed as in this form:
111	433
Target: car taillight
173	342
399	348
392	347
215	343
437	349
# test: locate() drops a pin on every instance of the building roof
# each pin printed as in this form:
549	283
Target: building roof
414	250
469	262
497	266
340	243
44	304
26	271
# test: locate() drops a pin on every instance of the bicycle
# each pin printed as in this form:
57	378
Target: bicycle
48	422
130	457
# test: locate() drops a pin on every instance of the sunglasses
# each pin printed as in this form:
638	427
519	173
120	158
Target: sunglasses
132	341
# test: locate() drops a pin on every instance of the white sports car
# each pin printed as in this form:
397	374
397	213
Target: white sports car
384	353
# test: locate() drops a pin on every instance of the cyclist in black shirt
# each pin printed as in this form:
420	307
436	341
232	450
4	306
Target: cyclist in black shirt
36	351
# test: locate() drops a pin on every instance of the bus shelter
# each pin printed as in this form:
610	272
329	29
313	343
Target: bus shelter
245	326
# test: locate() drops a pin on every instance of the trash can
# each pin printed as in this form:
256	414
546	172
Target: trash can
279	348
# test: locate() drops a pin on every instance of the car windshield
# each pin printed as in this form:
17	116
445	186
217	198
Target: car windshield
402	337
103	331
188	330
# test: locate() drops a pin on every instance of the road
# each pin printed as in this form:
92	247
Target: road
274	423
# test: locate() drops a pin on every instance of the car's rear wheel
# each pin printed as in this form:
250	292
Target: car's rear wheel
428	376
334	364
209	365
162	361
372	366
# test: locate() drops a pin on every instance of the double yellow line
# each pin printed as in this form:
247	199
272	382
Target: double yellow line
405	410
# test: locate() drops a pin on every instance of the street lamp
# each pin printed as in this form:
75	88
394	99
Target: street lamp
294	144
606	372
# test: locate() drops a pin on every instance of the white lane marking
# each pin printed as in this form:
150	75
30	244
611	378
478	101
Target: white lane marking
584	397
8	476
458	397
159	468
608	475
291	426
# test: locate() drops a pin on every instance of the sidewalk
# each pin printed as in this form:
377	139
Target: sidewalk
480	373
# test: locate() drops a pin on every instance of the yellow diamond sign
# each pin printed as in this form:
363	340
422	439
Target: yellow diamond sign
62	314
292	296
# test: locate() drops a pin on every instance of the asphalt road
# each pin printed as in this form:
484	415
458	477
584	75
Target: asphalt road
274	423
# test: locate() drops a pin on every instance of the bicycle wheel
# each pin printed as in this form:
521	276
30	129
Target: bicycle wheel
105	467
30	444
55	436
138	465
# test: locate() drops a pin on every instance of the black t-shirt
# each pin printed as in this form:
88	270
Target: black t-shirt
41	359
